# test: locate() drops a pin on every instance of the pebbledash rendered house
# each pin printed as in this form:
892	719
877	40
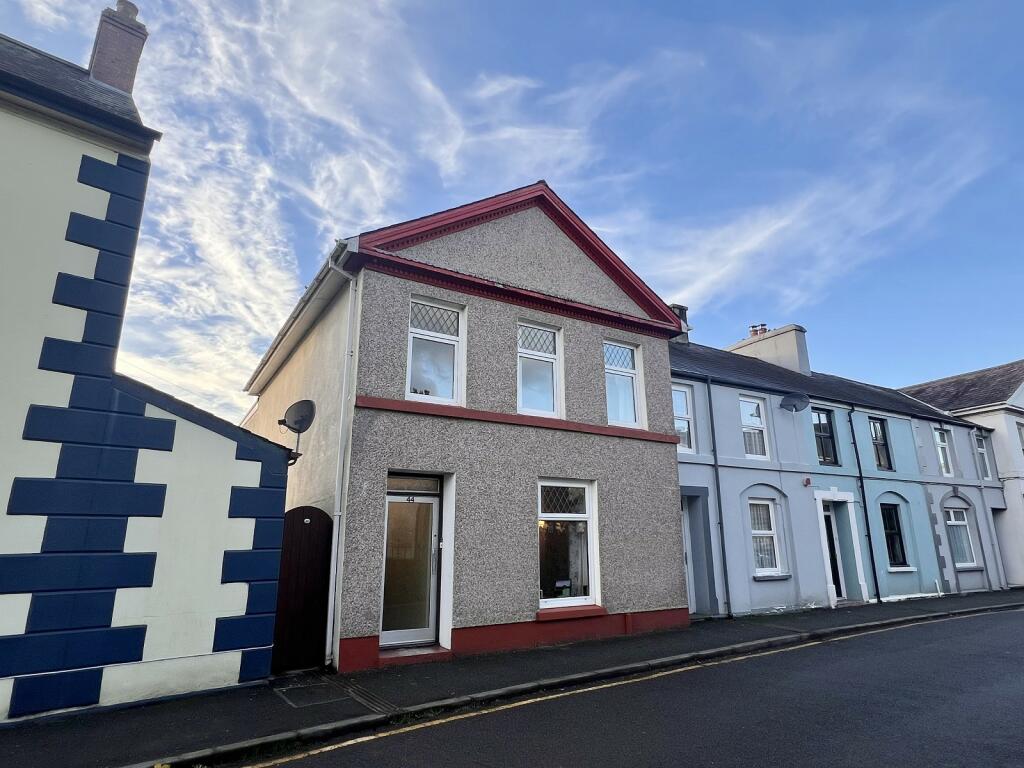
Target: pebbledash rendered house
493	461
139	536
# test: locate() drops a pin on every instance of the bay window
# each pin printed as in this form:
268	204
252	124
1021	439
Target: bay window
568	543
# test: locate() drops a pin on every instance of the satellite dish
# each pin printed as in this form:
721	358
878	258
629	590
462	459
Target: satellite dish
298	418
795	401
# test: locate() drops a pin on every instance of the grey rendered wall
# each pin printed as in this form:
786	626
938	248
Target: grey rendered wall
313	371
496	469
528	250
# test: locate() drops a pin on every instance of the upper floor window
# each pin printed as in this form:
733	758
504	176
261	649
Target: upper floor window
765	537
435	367
540	370
1020	434
942	446
986	468
894	536
880	442
620	384
960	537
824	436
682	410
755	433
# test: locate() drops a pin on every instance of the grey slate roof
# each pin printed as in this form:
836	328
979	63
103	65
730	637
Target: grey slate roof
51	82
696	360
969	390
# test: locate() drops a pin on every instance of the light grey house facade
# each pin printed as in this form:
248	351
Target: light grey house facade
802	489
494	445
992	398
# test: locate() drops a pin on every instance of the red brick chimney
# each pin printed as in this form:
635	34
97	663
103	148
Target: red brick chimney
118	46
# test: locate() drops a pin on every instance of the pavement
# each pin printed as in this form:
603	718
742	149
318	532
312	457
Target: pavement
279	714
943	693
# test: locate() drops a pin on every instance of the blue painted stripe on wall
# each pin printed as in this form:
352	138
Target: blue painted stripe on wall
247	565
124	210
60	691
114	268
100	234
66	356
52	572
256	502
100	395
55	496
71	649
102	329
86	293
61	425
255	664
112	178
268	533
70	610
235	632
133	163
89	462
84	534
262	597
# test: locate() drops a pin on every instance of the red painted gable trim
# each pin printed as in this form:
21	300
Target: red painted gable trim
389	263
404	235
458	412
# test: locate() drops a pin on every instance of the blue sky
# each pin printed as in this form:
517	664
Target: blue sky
855	168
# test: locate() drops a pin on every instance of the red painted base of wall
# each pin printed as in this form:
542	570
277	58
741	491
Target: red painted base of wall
358	653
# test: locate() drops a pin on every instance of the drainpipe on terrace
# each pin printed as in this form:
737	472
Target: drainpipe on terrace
718	497
864	501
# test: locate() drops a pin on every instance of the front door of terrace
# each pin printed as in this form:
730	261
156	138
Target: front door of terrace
835	556
409	611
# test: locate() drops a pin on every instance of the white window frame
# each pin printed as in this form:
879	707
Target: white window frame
687	392
459	342
558	396
981	446
763	428
639	402
943	444
593	555
773	533
965	523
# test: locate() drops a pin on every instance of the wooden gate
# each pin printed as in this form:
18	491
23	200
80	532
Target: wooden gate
300	632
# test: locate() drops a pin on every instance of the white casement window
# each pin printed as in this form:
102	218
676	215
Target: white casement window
765	537
540	370
436	369
682	411
567	519
960	538
755	431
942	447
986	468
622	385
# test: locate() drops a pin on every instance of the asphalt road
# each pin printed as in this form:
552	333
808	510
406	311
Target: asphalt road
947	693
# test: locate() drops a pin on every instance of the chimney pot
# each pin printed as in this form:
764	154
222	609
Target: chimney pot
753	329
117	49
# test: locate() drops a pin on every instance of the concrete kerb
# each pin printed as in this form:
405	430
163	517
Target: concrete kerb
326	731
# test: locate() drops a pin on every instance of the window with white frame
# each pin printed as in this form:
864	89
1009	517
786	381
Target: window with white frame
435	368
943	449
960	537
540	370
755	432
1020	434
621	385
986	468
765	537
682	411
568	543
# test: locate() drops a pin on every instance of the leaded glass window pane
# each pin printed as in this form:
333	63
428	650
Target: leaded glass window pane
427	317
537	340
618	356
563	500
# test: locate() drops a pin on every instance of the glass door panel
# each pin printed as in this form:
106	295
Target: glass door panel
410	572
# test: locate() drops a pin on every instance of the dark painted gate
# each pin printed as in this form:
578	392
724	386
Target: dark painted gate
300	632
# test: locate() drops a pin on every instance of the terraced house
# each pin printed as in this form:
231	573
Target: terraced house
803	489
493	460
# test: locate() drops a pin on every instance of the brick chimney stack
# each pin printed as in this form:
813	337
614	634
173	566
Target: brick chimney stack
118	46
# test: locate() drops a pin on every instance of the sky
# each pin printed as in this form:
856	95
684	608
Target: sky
852	167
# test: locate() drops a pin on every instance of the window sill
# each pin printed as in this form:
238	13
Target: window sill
570	612
756	458
969	568
772	576
902	569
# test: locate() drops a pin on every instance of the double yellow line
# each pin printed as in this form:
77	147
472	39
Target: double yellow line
591	689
